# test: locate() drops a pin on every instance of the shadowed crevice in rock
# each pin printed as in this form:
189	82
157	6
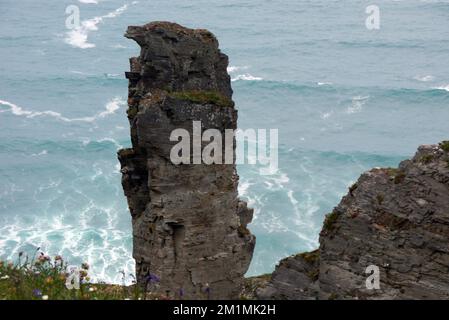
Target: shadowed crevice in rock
189	226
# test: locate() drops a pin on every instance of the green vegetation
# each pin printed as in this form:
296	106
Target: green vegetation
333	296
202	97
132	112
395	174
251	285
399	178
310	257
380	198
426	159
444	145
44	278
392	172
329	221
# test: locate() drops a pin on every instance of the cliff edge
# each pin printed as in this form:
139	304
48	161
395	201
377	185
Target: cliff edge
394	221
190	238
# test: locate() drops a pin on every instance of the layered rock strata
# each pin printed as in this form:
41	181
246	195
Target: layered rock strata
393	219
190	236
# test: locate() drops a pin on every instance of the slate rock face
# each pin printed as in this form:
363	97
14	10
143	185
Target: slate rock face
190	236
395	219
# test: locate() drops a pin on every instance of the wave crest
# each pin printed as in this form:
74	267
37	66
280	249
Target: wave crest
78	37
110	108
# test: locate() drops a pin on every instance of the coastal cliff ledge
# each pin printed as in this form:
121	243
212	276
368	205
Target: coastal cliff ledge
394	220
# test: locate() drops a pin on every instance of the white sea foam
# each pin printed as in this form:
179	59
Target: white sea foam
325	115
273	223
78	37
118	46
357	104
324	83
232	69
113	141
243	187
443	87
112	75
42	153
110	108
424	78
246	77
78	72
105	257
89	1
74	223
292	198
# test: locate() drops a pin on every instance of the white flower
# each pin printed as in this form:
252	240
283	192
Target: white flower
45	297
92	289
4	277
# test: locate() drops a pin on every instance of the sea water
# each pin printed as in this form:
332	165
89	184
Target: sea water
344	99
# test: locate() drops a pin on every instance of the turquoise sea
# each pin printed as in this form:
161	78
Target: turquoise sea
343	97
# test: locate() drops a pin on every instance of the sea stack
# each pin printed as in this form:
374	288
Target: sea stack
190	236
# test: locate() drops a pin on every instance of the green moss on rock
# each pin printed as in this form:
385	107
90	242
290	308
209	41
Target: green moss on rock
333	296
329	221
392	172
395	174
426	159
444	145
132	112
310	257
202	97
399	178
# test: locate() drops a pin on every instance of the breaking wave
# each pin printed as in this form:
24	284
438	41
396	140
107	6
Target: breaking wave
78	37
110	108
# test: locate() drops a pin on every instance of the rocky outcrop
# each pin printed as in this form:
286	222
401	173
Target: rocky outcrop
394	219
190	231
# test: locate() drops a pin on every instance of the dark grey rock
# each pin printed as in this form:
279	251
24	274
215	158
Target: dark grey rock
189	226
396	219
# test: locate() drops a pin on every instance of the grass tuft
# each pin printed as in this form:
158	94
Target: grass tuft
329	221
45	278
202	97
426	159
310	257
444	145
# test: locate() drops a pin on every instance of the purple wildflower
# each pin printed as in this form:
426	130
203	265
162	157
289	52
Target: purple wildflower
37	293
152	278
207	290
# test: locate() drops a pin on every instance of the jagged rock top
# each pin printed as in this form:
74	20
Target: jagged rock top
176	58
